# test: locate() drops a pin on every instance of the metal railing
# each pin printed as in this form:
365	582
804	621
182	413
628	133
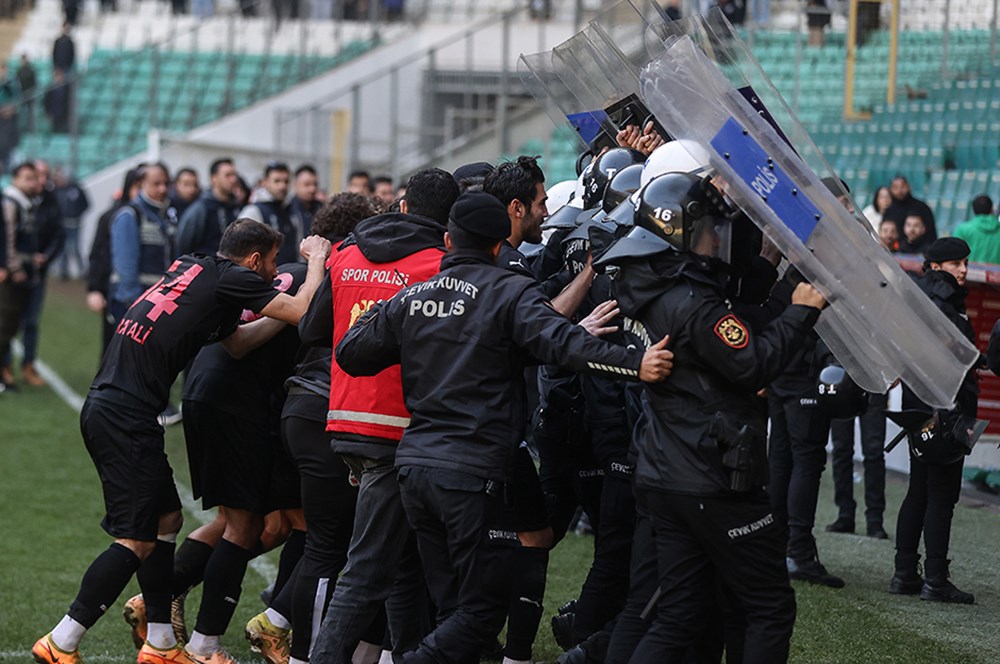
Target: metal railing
388	122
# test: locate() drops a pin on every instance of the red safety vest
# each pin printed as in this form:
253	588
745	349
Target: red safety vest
370	405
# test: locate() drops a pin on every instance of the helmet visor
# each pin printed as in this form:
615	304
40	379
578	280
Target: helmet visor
711	237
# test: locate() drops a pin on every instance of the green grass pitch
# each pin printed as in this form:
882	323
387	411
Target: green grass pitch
52	505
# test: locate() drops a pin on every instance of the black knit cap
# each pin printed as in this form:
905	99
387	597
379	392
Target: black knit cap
479	169
481	214
947	249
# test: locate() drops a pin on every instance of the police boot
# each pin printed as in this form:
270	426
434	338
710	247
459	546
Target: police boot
812	571
937	587
907	579
562	629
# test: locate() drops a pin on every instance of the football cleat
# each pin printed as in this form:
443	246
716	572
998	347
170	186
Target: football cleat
150	654
46	652
270	641
217	657
135	616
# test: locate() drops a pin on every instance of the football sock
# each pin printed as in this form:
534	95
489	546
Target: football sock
102	583
223	585
291	552
292	660
155	578
160	635
278	620
67	634
202	645
528	571
189	565
386	657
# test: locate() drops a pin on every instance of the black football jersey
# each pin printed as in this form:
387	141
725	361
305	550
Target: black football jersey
198	300
252	386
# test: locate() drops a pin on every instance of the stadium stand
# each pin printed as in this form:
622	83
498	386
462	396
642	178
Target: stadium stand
146	68
115	96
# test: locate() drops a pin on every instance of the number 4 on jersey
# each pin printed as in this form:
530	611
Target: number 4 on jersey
163	295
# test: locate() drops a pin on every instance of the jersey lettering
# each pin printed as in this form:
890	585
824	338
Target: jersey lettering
163	296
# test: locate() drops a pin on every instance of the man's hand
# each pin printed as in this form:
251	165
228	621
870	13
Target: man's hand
597	322
628	136
649	141
769	251
3	274
656	362
19	277
40	259
313	245
806	295
96	301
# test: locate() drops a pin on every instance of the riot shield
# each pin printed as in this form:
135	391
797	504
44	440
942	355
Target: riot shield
702	84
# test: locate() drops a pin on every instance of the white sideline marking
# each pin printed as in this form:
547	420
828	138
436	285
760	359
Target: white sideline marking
22	655
265	568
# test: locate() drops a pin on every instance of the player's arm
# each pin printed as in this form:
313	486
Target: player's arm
290	308
316	325
250	336
571	297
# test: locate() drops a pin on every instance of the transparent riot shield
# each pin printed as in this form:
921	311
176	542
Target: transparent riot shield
702	84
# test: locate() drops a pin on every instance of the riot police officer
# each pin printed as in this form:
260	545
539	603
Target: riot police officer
936	469
701	458
467	411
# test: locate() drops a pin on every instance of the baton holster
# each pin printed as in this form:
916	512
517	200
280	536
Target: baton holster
744	453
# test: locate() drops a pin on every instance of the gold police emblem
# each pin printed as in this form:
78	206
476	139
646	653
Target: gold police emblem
732	332
359	309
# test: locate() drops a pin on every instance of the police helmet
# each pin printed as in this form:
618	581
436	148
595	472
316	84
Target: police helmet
681	156
624	183
560	194
564	217
600	172
684	210
838	395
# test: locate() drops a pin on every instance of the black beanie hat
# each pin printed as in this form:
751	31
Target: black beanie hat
947	249
481	214
478	169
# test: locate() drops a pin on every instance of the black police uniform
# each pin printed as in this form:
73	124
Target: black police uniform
461	339
700	466
934	488
797	445
609	431
199	300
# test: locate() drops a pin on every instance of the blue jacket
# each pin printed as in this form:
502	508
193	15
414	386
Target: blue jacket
141	248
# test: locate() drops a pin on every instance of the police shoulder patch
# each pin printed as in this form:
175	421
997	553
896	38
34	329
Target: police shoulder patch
732	332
